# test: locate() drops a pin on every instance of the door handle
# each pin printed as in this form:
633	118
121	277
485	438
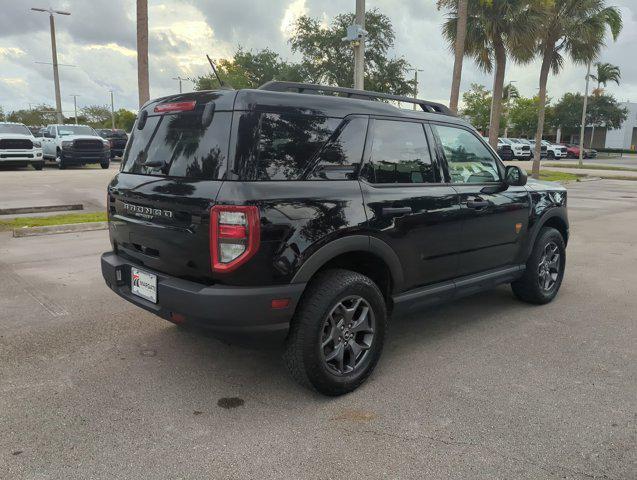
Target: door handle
396	210
478	203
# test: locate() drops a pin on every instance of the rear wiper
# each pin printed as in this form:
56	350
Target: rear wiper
154	163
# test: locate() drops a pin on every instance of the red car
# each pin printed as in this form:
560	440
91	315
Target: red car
572	151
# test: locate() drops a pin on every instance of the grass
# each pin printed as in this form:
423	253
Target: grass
553	176
52	220
591	167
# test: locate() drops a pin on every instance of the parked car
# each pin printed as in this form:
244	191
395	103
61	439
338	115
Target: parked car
117	140
554	150
18	146
543	149
282	210
505	152
521	150
75	145
572	151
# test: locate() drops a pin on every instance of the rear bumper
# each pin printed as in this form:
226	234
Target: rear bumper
224	309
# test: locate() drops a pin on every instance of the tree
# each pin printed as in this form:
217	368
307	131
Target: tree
124	119
604	110
1	114
458	9
250	70
497	29
477	106
524	114
606	72
509	92
97	115
142	52
573	28
39	115
327	59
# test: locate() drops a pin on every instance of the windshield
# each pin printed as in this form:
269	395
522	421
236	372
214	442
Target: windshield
505	141
11	128
76	130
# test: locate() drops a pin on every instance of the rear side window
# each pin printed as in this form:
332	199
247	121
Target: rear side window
400	154
285	145
179	146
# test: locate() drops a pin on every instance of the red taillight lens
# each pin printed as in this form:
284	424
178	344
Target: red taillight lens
175	107
234	236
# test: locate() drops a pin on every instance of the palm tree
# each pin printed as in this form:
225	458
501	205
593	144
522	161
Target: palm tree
142	51
573	28
459	9
606	72
496	29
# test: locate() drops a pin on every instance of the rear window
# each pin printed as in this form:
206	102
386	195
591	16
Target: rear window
282	146
178	145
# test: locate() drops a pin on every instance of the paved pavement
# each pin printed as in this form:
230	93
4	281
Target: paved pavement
528	165
29	188
486	388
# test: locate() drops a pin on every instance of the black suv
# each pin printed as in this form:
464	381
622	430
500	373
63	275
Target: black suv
316	213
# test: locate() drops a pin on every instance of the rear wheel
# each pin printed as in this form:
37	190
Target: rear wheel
544	269
337	334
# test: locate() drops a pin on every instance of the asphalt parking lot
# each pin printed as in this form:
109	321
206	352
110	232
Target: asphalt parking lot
487	387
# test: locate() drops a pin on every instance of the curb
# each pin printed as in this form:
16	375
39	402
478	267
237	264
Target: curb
55	229
41	209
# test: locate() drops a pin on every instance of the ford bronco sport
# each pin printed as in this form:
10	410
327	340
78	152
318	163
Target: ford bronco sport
316	213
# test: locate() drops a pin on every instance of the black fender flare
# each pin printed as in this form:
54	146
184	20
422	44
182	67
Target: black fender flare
559	212
352	243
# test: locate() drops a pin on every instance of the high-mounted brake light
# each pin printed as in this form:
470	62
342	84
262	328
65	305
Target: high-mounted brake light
175	107
234	236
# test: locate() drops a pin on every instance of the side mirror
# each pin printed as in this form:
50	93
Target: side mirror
515	176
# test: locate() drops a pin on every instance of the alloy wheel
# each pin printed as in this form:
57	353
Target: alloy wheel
347	334
549	266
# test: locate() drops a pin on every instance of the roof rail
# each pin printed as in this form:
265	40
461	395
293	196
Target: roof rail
298	87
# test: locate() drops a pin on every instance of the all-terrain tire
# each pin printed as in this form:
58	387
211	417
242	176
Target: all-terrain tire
304	354
528	288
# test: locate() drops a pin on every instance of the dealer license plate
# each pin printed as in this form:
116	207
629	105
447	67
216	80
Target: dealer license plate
143	284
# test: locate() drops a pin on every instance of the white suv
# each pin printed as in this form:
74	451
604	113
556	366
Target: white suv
18	146
521	149
75	145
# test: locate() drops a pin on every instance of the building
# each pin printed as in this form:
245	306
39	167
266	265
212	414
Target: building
624	138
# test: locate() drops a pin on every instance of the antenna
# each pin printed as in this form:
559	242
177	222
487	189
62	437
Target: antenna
215	71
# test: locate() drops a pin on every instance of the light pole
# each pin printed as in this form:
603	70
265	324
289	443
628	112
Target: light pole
75	106
506	125
583	127
180	79
359	50
112	112
56	76
416	70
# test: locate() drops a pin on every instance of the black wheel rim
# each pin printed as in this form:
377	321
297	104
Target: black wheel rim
347	335
549	267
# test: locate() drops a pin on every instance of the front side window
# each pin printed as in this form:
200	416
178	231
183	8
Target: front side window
399	154
468	159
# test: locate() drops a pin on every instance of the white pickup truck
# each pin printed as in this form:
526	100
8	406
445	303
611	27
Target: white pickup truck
18	146
75	145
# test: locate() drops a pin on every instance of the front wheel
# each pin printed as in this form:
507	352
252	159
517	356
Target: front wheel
337	334
544	269
105	165
38	166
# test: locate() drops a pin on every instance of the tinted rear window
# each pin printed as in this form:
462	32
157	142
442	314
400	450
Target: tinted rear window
281	146
182	145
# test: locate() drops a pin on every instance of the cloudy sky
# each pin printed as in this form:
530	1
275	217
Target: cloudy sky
99	39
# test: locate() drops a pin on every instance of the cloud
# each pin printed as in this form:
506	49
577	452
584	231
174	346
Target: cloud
99	37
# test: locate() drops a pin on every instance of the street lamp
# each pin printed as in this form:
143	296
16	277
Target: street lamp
56	76
75	106
416	70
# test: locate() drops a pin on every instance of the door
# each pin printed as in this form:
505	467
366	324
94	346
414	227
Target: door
407	205
495	218
48	144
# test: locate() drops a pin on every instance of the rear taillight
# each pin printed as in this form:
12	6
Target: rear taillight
234	236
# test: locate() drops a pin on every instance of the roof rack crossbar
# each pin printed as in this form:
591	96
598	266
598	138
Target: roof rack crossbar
298	87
